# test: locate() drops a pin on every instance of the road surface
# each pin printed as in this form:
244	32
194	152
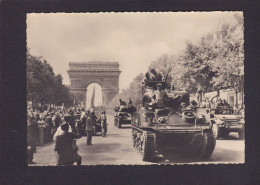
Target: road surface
116	148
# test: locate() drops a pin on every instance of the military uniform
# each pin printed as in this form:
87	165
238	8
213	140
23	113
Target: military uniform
89	128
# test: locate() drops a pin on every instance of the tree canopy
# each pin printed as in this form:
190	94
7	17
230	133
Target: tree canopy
214	62
43	86
134	91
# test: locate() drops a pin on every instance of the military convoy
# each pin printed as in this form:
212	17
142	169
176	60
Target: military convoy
170	123
224	121
123	114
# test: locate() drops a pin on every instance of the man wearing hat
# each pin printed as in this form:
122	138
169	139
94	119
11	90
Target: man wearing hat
65	146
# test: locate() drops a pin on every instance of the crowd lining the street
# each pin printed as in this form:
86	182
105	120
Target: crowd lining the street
63	127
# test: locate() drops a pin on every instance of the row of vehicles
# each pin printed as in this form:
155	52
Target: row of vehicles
99	125
191	130
223	122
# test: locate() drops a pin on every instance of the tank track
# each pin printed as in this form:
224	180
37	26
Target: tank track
145	143
209	143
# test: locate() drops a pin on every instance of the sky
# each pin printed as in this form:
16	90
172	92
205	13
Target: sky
132	39
97	97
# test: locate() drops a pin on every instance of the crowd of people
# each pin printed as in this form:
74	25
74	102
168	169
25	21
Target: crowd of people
63	127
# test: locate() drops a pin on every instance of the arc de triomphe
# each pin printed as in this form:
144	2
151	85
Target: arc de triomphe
106	74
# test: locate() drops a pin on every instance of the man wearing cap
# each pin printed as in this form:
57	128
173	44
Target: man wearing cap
65	146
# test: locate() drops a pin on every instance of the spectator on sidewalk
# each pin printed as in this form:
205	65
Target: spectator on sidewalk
66	148
32	137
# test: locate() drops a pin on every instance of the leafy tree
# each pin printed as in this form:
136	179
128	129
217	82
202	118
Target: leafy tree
134	91
230	65
169	66
43	86
216	61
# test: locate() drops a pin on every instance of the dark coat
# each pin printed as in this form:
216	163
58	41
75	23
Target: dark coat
57	121
32	133
66	152
89	124
48	121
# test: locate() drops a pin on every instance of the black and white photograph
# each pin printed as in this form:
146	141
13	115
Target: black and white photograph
135	88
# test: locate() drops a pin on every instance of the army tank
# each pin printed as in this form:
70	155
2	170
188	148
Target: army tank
124	113
171	124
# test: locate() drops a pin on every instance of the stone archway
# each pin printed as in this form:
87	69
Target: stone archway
106	74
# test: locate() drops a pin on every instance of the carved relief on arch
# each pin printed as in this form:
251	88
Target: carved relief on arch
111	82
76	83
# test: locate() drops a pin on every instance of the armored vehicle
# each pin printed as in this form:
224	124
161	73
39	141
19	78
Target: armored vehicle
170	123
224	121
123	115
97	124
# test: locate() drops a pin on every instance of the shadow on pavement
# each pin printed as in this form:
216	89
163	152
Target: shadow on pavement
171	156
114	135
175	156
102	147
231	137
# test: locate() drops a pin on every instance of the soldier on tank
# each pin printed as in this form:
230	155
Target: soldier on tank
121	102
156	76
160	98
146	80
130	102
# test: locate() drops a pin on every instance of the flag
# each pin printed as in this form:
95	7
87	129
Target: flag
93	98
